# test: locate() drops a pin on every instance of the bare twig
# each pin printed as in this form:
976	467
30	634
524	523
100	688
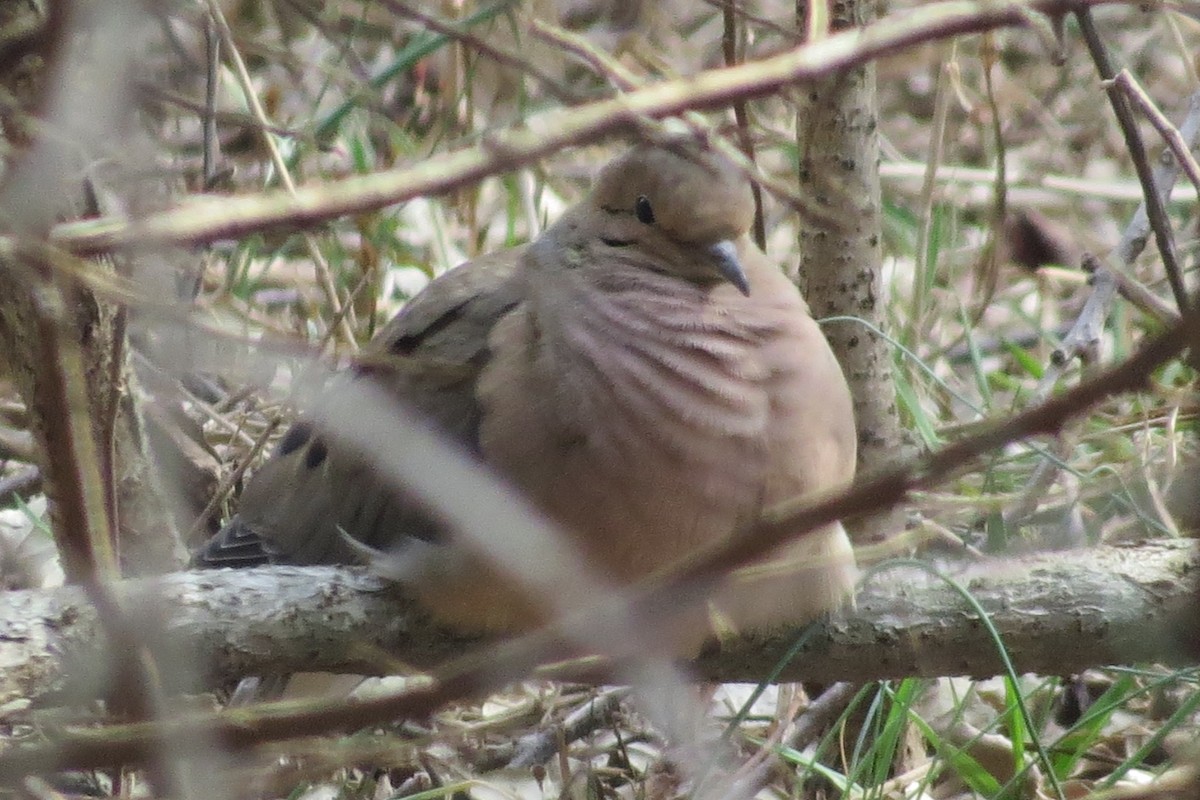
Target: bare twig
150	94
209	219
24	484
1142	298
600	62
765	23
1025	189
212	66
559	90
1175	140
917	324
729	45
1083	339
821	713
987	267
538	748
1153	193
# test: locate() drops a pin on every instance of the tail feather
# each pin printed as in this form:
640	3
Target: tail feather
235	545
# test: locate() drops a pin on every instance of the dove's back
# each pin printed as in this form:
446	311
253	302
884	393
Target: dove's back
296	507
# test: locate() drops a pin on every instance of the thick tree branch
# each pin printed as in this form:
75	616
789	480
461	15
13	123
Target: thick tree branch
1057	613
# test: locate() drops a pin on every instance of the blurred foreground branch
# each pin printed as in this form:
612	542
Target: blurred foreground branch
1057	613
204	219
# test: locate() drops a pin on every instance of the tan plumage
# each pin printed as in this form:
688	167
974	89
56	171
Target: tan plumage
640	371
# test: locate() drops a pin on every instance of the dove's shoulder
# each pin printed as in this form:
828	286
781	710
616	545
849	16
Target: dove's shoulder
453	314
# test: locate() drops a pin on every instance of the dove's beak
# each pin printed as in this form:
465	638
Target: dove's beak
724	255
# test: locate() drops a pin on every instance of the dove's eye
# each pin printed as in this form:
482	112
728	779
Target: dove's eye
645	213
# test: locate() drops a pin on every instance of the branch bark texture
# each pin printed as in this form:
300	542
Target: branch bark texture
840	271
1057	614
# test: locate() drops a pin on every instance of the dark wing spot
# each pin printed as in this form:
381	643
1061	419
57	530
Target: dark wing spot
617	242
405	345
316	454
409	343
645	213
295	438
570	438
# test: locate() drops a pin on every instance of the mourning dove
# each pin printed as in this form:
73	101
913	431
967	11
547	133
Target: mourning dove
640	372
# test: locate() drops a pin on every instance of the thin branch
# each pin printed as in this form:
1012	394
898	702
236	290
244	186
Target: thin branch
600	62
729	46
559	90
212	66
1175	140
1153	195
23	484
208	219
763	23
894	485
1083	339
149	95
821	713
538	748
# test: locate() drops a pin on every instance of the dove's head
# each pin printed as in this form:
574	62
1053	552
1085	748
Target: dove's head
685	209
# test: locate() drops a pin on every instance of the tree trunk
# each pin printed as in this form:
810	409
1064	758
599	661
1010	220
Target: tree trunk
839	243
64	347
